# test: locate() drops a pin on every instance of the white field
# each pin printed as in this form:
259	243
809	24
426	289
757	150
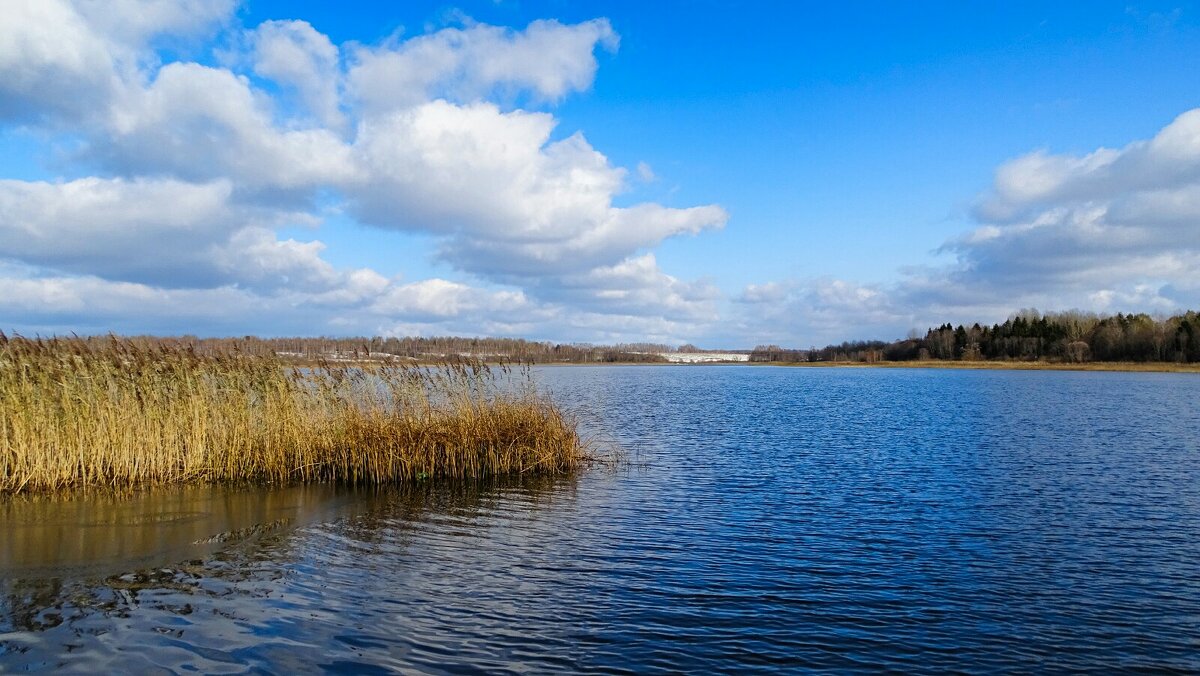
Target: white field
700	357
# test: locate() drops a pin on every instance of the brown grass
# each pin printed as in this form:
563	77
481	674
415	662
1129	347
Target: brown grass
125	413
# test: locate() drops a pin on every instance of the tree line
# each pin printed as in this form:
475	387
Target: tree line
438	348
1028	335
309	349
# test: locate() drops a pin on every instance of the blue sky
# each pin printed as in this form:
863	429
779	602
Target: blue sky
743	172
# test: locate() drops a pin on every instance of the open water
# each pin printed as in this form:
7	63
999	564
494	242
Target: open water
766	519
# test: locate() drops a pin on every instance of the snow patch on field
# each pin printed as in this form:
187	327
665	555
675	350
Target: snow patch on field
699	357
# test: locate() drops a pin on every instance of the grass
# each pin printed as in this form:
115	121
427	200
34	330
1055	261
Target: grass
123	413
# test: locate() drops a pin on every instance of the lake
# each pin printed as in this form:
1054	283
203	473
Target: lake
764	519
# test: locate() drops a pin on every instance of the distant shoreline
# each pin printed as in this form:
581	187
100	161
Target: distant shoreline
1121	366
1116	366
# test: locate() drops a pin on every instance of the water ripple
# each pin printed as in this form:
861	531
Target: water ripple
831	520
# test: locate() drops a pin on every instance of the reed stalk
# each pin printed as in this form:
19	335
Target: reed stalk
127	412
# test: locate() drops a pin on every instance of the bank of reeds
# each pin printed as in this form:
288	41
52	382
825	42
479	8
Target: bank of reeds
124	413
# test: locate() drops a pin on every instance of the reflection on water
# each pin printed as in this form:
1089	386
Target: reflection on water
99	531
54	549
787	518
80	569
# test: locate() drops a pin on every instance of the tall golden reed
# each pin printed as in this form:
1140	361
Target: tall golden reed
125	412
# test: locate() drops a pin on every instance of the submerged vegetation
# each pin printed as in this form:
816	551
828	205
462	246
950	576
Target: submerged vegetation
124	412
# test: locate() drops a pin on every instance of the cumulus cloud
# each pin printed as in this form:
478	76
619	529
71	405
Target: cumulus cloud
440	298
186	174
88	304
165	233
153	231
133	22
63	61
815	311
360	302
547	59
201	123
1111	230
511	202
637	286
255	257
1111	220
294	54
200	166
52	65
1041	180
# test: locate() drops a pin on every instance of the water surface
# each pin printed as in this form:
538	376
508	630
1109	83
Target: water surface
770	519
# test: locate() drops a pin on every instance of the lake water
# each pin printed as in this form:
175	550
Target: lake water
767	519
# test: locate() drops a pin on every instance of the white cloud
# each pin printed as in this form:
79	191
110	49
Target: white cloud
817	312
443	298
1072	226
1040	180
294	54
63	61
316	302
767	292
357	287
199	167
141	230
255	257
510	202
200	123
1112	230
646	173
638	287
548	58
89	304
166	233
133	22
51	63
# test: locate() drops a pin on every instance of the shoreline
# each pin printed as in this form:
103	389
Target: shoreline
1116	366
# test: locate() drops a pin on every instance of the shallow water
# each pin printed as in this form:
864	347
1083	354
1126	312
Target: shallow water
771	518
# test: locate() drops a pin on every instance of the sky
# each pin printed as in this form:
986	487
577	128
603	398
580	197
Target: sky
722	173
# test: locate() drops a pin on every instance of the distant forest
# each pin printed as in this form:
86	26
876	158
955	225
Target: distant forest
509	349
420	349
1072	337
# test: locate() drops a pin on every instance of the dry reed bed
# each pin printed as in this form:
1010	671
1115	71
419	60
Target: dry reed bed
123	413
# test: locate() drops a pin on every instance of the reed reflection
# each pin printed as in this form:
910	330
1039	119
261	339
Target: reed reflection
65	559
